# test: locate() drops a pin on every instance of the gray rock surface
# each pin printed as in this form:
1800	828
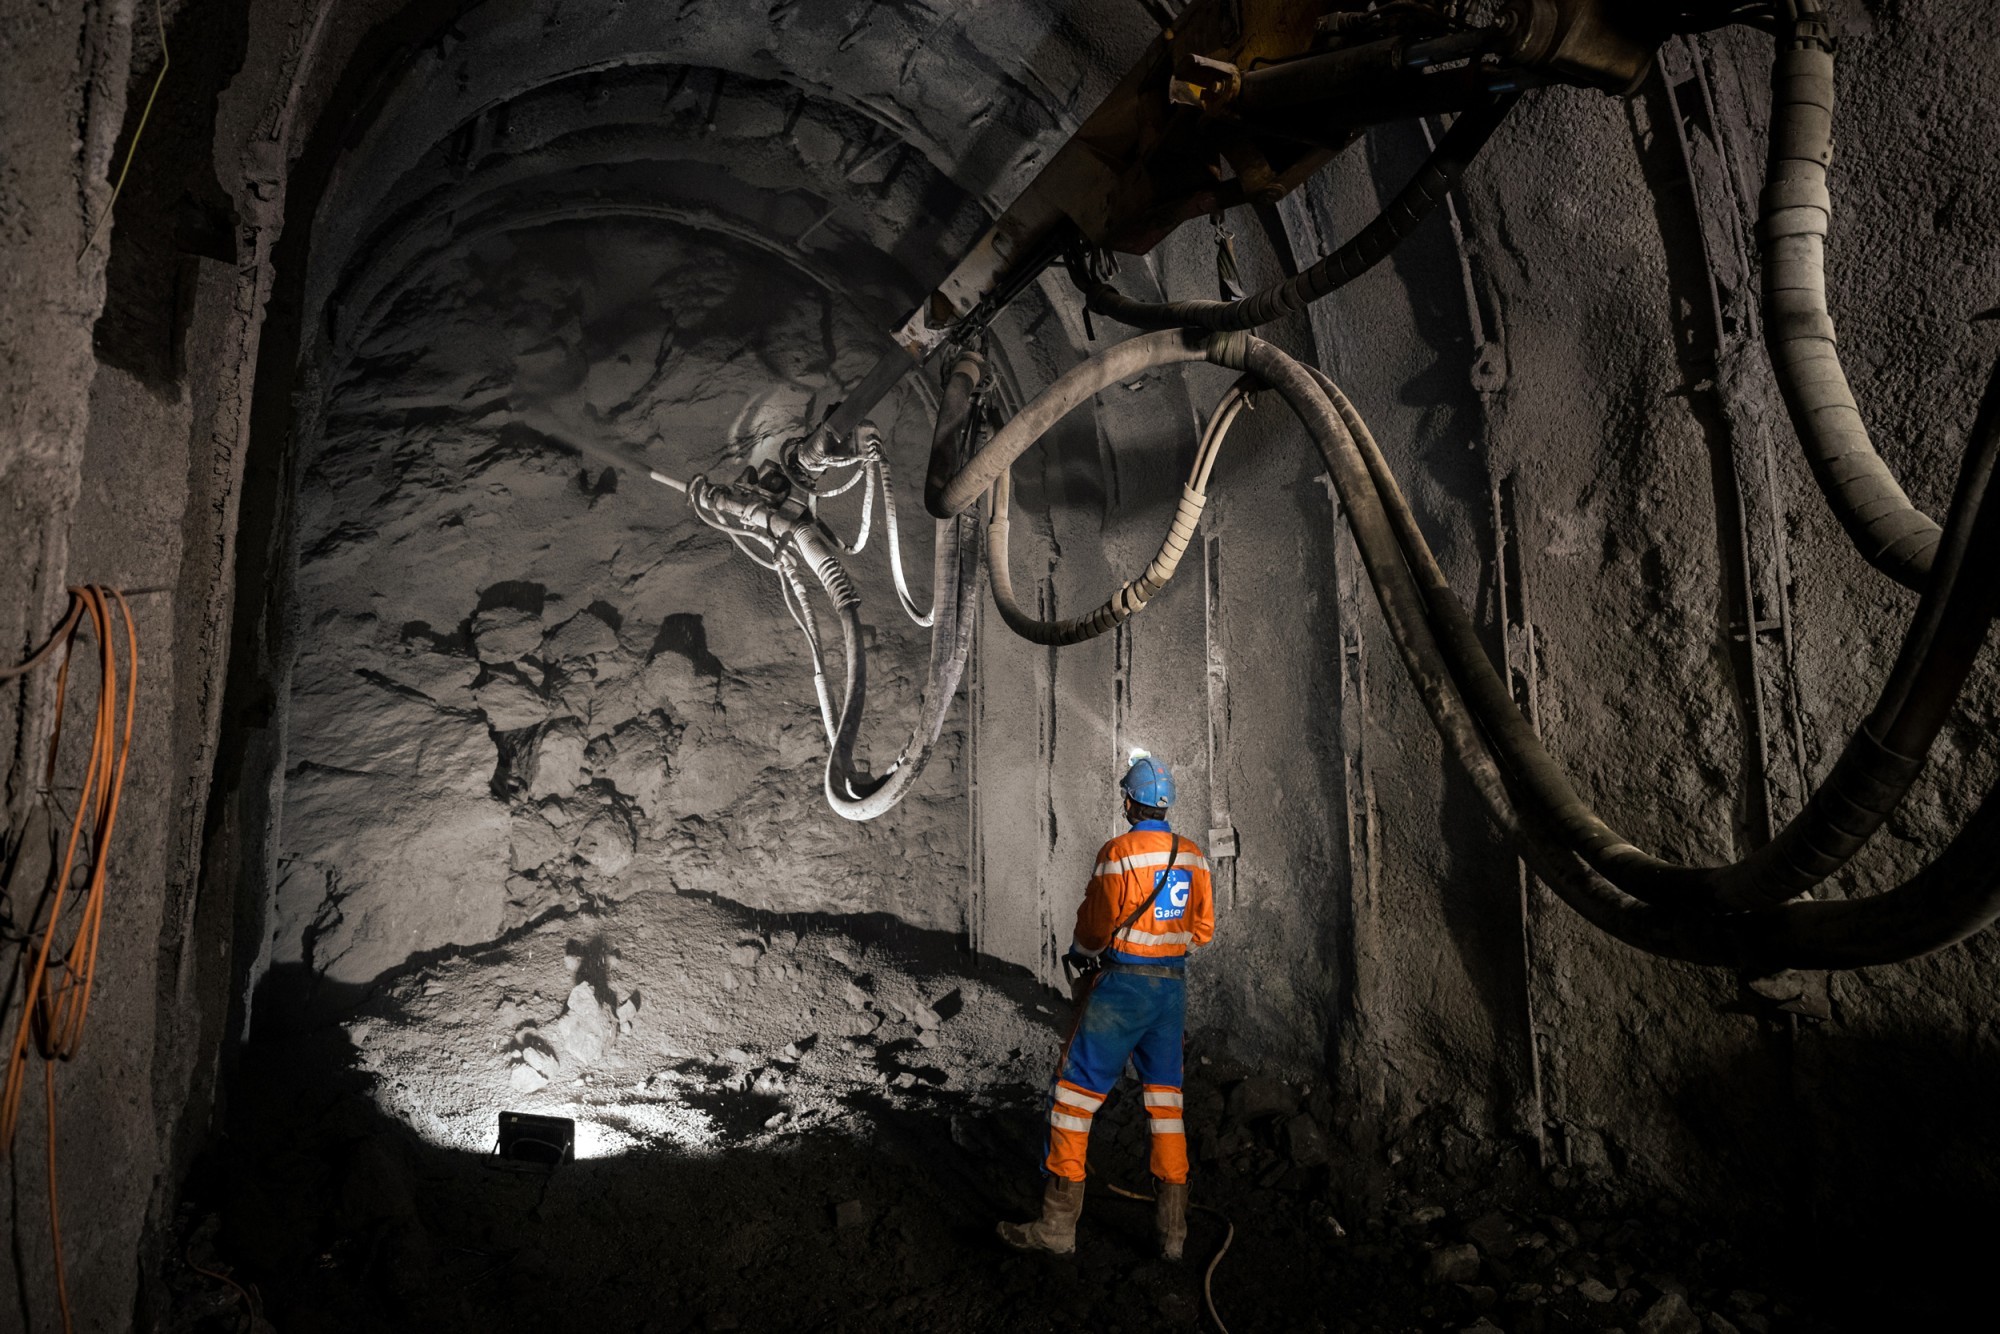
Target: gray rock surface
539	682
1670	1315
529	1025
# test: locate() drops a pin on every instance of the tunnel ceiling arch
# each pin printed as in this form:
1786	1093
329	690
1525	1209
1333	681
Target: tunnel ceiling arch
816	186
861	113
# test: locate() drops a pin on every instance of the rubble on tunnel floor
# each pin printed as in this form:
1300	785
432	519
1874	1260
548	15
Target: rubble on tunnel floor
801	1122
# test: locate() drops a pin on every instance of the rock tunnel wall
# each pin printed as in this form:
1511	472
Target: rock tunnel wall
630	705
421	598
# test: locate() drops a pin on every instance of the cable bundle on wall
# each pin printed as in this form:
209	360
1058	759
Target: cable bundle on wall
60	975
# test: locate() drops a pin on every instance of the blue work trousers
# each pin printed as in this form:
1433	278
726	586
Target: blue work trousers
1126	1016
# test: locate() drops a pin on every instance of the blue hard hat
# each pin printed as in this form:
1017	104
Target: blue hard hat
1148	782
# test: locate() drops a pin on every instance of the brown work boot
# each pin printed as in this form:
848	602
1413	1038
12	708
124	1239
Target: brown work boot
1055	1230
1170	1217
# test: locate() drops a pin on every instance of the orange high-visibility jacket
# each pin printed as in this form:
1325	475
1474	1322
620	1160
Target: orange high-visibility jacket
1183	915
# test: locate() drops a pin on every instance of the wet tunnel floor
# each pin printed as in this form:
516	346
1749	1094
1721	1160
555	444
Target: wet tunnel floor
813	1125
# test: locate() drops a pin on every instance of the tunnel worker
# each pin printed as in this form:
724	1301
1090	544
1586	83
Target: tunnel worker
1147	903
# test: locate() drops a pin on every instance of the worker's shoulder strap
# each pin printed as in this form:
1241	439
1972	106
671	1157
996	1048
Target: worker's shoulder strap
1159	883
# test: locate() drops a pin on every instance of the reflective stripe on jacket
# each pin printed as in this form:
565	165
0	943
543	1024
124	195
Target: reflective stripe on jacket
1182	916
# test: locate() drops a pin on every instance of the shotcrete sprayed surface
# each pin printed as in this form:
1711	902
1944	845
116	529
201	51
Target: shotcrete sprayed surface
527	683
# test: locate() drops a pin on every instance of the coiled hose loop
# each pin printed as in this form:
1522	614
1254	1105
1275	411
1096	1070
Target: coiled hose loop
1955	896
1567	845
1697	938
1132	598
1949	901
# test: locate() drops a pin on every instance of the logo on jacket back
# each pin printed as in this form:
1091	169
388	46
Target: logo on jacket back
1173	900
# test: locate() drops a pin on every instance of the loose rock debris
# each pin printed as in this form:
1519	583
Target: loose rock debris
766	1141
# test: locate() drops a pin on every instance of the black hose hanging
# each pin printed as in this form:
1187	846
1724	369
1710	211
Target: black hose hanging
1133	596
1957	896
1875	770
1404	214
955	411
955	587
1696	938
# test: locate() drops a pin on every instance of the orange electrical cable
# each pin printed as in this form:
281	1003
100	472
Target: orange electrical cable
56	1001
242	1293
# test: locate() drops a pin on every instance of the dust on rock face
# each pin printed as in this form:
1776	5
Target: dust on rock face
528	684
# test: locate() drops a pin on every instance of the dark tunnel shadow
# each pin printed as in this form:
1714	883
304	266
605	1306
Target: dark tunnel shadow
1888	1173
348	1220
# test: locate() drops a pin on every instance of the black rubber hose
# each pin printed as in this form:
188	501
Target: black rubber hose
1135	595
1875	771
1888	751
1955	897
1697	938
1405	213
1935	909
1118	364
1941	905
955	589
